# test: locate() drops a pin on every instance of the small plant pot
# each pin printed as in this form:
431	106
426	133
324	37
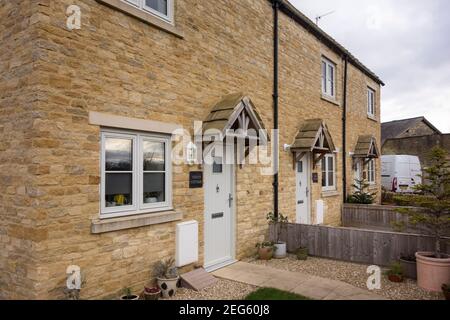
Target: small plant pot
431	271
131	297
168	287
265	253
280	250
302	254
395	278
409	268
446	291
152	293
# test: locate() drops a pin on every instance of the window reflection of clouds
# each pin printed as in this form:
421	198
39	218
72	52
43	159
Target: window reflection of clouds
118	154
154	156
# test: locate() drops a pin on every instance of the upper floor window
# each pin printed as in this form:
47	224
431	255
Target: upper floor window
371	102
136	173
160	8
328	78
329	172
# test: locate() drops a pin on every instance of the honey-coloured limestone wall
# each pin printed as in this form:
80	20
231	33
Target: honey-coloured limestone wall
117	64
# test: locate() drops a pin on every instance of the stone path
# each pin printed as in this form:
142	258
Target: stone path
301	283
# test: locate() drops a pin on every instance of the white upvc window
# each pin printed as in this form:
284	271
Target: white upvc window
371	172
161	8
370	103
328	78
329	173
136	175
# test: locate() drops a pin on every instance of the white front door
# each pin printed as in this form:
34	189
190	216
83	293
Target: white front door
358	173
303	190
219	213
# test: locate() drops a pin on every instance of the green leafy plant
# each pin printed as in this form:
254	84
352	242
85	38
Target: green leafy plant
127	292
395	269
280	221
432	213
262	245
165	269
361	196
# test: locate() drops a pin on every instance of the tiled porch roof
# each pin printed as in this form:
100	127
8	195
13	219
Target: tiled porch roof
313	136
367	148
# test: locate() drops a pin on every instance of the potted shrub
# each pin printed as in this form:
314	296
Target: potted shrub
302	253
127	295
152	293
433	218
409	265
395	273
265	250
446	291
167	277
280	222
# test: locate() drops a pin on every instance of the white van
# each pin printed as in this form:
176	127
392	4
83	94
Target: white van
400	173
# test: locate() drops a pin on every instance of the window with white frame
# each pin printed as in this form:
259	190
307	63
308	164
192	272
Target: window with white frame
371	102
160	8
371	171
329	172
328	78
136	173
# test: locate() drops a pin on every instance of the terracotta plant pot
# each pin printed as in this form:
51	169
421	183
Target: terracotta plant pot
152	293
280	250
265	253
409	268
432	273
302	253
446	291
395	278
168	287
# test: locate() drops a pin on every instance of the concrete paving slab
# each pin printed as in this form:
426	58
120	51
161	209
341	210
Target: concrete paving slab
297	282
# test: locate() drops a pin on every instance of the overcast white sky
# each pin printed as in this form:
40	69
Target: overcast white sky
405	42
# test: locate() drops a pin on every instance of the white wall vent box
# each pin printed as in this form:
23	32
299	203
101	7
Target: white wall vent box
187	243
320	212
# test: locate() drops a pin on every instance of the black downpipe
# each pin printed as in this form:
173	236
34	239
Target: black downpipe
276	6
344	131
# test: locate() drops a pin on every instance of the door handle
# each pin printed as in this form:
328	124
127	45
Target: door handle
230	199
307	191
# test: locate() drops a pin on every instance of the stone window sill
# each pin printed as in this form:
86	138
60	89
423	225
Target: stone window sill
143	16
329	194
373	187
123	223
330	100
372	118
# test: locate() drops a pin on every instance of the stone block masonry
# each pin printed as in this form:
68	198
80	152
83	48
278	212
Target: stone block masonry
52	78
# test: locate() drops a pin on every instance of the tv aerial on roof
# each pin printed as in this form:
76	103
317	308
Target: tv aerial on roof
318	18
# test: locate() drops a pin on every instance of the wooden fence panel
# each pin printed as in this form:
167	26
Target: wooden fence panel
354	245
374	217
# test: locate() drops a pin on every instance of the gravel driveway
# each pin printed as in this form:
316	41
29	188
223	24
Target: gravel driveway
222	290
351	273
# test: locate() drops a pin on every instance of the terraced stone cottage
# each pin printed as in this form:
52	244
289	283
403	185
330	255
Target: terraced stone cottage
91	114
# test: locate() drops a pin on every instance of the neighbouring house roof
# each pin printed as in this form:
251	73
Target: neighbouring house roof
309	25
393	129
235	112
366	148
313	136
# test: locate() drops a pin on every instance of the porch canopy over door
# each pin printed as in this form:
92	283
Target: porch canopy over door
366	148
313	137
235	116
